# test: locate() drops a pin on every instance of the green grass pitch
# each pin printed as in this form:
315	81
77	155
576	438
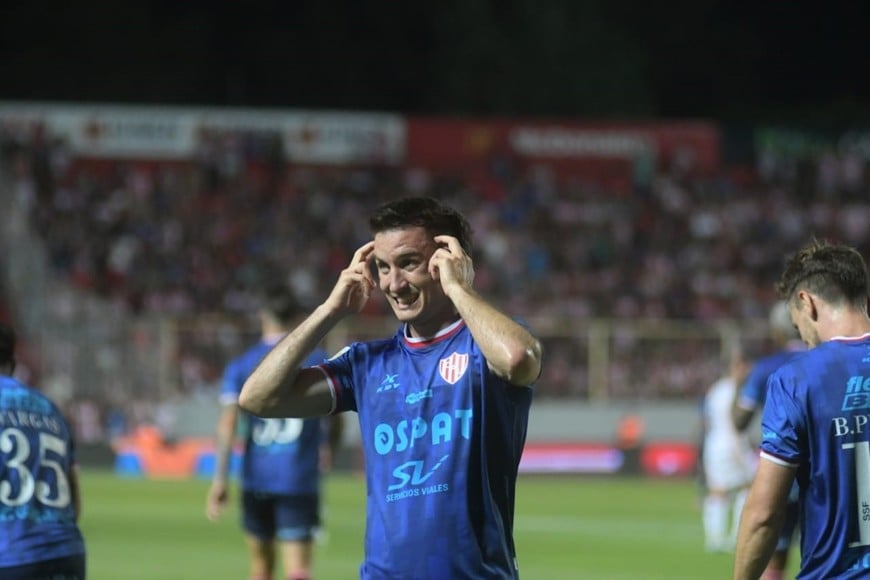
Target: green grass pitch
566	528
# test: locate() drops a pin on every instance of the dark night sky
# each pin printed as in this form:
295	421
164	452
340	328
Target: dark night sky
615	58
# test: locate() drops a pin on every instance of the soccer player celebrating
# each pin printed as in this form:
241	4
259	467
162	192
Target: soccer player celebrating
443	404
280	474
814	424
750	400
39	486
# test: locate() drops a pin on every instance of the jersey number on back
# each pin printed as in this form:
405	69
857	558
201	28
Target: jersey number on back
280	431
862	481
13	442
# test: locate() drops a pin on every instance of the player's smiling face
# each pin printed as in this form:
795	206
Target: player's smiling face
401	257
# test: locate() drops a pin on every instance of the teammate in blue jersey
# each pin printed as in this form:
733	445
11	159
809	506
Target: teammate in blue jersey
749	402
815	424
281	461
443	404
39	486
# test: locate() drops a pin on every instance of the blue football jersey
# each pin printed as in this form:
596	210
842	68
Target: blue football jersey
817	418
280	456
753	392
442	437
37	516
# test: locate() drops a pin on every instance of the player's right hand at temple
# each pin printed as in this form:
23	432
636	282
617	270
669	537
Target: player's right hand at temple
355	283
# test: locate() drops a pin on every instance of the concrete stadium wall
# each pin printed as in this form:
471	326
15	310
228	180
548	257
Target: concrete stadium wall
588	422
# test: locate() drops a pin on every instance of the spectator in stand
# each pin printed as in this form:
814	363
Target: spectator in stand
183	239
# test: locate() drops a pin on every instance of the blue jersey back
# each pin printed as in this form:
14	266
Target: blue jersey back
281	456
817	418
754	390
37	516
442	437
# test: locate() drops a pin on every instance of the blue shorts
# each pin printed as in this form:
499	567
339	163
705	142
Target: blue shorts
289	518
67	568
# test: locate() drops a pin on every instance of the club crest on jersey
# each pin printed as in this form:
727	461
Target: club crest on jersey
453	367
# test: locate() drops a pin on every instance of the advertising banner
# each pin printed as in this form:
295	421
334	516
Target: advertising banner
566	146
155	133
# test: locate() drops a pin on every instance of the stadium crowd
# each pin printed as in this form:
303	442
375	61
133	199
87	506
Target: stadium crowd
191	238
188	238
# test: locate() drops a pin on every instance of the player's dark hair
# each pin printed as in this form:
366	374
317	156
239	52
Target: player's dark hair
426	212
279	301
835	272
7	345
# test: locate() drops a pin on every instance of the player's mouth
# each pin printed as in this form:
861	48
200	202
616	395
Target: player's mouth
405	302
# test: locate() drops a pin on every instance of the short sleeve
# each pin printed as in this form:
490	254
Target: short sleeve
752	392
339	375
783	423
231	383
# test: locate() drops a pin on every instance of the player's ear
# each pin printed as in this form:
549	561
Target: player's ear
810	302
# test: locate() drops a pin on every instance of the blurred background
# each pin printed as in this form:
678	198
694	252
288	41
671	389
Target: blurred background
635	176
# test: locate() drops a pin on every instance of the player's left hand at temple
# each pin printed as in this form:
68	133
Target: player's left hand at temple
451	265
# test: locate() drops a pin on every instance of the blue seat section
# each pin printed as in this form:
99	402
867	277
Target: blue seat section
128	465
205	465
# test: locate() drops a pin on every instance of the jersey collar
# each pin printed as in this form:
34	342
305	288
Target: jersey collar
852	338
443	334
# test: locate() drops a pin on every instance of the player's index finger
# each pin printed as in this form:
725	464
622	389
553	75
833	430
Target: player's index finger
449	241
364	252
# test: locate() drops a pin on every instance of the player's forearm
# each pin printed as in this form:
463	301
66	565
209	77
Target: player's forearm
511	350
336	433
269	391
224	436
754	549
756	537
222	452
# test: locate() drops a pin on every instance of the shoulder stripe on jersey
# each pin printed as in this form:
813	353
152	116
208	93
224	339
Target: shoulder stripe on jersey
333	387
777	460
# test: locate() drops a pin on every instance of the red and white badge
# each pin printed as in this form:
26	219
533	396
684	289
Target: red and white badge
453	367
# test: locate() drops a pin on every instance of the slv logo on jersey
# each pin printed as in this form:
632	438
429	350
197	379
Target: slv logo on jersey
857	393
388	384
453	367
413	473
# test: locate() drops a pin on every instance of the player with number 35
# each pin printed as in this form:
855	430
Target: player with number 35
39	487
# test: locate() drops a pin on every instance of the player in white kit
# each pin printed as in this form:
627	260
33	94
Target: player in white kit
728	461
